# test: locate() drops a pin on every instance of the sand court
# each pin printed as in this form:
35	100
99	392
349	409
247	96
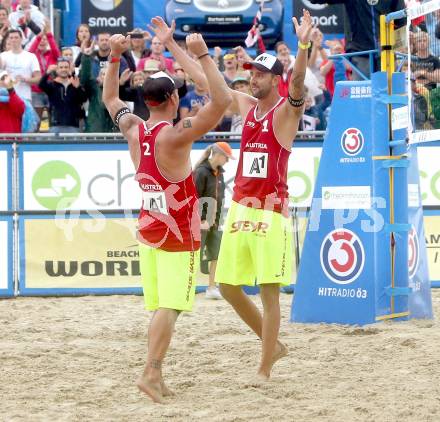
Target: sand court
77	359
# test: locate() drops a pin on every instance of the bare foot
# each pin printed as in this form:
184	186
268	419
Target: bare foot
152	389
280	351
166	392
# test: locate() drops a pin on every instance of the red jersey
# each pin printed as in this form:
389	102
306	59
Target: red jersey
261	180
169	218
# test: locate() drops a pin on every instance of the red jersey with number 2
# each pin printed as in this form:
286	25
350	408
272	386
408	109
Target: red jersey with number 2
261	180
169	218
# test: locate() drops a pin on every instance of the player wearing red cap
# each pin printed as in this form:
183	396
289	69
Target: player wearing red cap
169	223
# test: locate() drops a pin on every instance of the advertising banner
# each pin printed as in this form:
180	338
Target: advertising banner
6	254
5	178
114	16
79	255
94	255
432	236
95	177
335	282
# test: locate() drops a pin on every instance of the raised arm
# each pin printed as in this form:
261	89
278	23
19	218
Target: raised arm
165	35
128	123
286	118
190	129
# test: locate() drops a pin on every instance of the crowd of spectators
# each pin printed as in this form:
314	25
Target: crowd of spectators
62	87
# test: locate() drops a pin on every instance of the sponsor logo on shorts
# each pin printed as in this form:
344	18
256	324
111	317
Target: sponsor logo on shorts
413	252
249	226
191	276
342	256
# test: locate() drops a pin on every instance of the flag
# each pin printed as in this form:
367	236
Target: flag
253	33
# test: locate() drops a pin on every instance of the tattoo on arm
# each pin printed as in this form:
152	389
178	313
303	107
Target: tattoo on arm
156	364
298	82
187	124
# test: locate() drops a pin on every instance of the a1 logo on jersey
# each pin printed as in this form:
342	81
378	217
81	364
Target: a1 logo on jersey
352	141
413	252
342	256
255	164
155	202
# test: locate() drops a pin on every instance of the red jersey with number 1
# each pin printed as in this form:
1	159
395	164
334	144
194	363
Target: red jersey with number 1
169	217
261	180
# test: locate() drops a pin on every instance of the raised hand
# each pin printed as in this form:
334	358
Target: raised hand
119	44
125	76
162	30
196	44
74	80
303	31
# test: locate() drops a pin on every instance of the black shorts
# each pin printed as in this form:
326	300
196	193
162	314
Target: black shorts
210	248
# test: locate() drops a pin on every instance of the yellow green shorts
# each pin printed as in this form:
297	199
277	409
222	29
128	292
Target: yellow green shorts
168	278
256	246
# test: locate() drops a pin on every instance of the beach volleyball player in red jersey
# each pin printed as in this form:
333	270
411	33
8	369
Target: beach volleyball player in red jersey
256	243
169	223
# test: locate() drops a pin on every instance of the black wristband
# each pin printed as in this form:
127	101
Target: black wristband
123	111
295	103
203	55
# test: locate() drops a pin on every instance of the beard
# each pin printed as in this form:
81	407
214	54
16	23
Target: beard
260	92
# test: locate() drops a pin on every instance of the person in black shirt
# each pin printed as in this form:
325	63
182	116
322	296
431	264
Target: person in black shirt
425	66
66	97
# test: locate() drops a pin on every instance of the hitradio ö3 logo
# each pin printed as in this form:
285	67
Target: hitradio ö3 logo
56	183
106	5
352	141
413	252
342	256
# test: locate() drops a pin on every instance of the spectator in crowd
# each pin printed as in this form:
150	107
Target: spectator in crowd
157	50
131	90
193	101
210	185
420	110
138	48
242	57
334	70
362	31
7	4
425	66
433	28
283	54
151	67
318	54
98	118
65	97
310	120
231	66
83	36
47	52
283	85
22	66
11	106
28	19
240	83
4	23
99	57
